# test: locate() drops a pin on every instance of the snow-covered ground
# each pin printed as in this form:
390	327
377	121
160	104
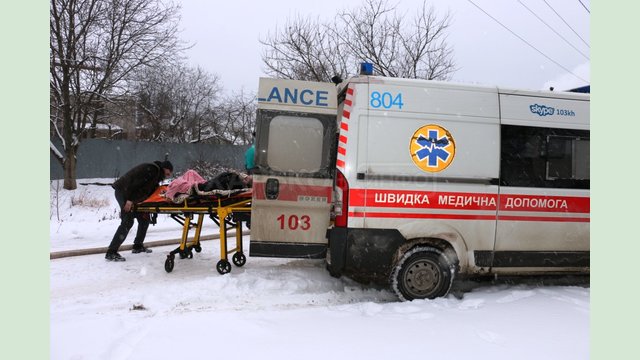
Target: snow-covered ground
275	308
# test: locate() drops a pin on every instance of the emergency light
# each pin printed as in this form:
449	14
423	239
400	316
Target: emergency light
366	68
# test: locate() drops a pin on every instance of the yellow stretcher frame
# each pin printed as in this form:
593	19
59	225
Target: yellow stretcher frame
224	211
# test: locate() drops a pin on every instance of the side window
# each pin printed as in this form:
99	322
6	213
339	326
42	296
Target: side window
544	157
567	158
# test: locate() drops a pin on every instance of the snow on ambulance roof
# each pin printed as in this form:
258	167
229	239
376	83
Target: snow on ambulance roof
462	86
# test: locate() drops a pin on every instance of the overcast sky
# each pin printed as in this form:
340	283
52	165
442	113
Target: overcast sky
226	36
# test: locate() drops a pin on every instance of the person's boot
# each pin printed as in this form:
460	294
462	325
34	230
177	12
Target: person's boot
140	249
114	256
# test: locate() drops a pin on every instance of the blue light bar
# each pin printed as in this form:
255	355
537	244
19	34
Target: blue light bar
366	68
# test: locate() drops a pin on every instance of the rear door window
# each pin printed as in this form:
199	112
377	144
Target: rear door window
295	144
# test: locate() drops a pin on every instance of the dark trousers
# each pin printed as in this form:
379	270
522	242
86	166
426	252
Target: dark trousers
126	222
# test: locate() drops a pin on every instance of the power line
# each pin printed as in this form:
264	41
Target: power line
552	29
584	6
526	42
566	23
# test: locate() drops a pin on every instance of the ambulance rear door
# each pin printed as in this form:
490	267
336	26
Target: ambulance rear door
295	162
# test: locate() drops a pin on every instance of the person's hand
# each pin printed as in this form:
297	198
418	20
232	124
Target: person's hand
128	205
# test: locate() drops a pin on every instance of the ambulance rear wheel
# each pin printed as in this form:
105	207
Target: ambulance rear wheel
423	272
239	259
223	267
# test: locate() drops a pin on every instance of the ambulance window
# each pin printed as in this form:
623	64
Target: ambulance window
544	157
567	158
295	144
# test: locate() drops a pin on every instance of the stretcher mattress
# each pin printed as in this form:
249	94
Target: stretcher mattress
195	201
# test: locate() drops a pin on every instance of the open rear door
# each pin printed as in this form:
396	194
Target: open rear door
295	161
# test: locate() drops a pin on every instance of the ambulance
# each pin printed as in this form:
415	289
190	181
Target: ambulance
414	183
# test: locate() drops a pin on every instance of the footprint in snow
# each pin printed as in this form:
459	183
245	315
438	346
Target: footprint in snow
471	304
490	337
516	295
371	309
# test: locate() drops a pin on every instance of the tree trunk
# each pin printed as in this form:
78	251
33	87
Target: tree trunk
70	168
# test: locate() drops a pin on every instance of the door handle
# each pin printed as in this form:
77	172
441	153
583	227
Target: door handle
272	189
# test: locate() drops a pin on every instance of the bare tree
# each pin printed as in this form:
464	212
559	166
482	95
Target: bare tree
183	104
94	47
304	50
396	44
177	102
236	118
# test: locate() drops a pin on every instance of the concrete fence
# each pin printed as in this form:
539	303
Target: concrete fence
100	158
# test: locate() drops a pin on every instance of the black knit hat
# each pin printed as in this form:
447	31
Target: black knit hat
166	165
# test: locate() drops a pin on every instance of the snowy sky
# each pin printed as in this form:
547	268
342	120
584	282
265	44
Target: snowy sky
226	36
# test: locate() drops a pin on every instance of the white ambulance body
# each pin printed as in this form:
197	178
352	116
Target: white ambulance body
413	183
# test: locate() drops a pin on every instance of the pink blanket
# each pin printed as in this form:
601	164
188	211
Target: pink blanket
183	184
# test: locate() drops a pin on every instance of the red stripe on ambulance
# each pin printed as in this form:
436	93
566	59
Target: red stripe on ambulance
344	129
467	201
421	216
391	215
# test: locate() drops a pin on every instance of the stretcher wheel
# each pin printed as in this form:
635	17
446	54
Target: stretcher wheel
197	248
223	267
239	259
168	264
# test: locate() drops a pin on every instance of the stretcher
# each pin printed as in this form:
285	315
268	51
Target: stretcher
227	208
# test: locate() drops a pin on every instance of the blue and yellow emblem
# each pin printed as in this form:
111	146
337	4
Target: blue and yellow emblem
432	148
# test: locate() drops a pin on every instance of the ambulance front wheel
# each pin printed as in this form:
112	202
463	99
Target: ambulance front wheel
423	272
223	267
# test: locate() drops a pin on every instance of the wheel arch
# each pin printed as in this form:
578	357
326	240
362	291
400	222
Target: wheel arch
436	234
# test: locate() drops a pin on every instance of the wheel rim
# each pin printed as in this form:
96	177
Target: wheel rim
422	278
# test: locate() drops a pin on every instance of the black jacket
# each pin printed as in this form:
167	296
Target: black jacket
140	182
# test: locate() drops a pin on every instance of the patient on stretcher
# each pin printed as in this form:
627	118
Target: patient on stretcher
191	183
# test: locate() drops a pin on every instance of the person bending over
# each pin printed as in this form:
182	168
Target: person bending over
133	187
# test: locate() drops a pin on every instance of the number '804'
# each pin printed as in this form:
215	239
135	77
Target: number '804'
386	100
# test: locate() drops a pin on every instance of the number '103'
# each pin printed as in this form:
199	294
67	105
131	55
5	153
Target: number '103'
293	222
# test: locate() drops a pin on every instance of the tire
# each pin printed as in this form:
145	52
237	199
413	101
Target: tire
239	259
223	267
168	265
423	272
